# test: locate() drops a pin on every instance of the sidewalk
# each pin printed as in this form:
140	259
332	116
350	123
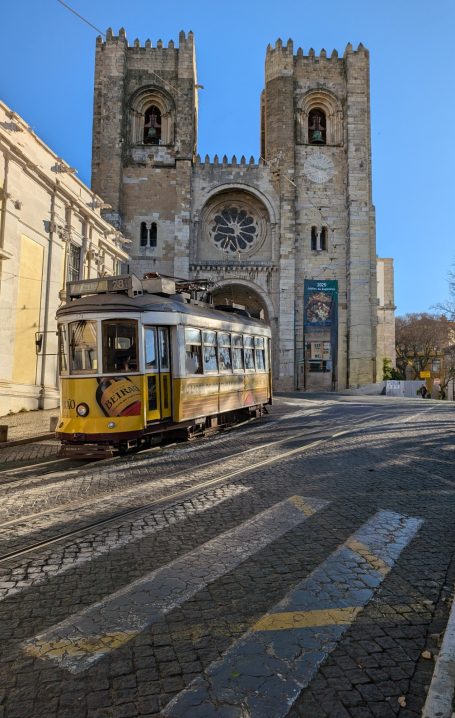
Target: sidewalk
27	425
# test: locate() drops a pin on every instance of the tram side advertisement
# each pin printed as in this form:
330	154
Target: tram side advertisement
105	396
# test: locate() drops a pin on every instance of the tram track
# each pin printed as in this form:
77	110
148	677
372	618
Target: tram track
169	499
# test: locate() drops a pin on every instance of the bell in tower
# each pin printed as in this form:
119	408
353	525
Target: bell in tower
152	126
317	127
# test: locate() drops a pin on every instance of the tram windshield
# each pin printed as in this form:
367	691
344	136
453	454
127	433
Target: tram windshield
83	347
119	345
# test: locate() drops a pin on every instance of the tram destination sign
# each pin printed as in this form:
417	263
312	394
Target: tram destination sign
100	286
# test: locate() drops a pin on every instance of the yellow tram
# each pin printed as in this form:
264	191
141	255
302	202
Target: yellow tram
139	358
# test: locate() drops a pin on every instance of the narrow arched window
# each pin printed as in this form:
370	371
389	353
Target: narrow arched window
152	125
153	234
143	234
314	238
323	239
317	127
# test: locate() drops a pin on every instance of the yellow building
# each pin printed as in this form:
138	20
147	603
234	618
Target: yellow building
51	232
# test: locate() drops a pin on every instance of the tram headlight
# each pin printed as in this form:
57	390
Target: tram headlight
82	409
111	425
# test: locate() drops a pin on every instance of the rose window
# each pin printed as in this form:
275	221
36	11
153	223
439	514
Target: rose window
234	230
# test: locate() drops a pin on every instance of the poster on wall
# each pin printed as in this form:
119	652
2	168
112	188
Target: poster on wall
320	301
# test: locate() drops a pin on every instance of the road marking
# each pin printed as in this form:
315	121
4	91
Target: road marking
262	674
305	619
111	539
82	639
439	699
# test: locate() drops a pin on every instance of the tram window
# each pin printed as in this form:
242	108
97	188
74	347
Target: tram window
83	347
151	362
248	352
224	352
260	353
62	350
237	352
119	345
163	346
193	351
209	353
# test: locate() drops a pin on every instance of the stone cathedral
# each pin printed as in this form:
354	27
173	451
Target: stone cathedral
291	237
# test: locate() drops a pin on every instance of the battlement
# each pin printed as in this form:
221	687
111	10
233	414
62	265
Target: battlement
286	51
224	162
185	41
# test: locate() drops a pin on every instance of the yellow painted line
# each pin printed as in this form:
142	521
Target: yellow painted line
306	619
79	647
302	505
375	562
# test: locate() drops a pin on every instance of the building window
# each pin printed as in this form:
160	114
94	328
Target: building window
152	126
153	234
74	263
436	366
144	234
317	127
319	239
148	236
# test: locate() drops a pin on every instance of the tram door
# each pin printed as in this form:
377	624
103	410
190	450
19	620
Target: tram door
158	373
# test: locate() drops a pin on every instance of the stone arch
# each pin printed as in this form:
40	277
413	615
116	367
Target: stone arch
140	102
242	291
234	223
330	105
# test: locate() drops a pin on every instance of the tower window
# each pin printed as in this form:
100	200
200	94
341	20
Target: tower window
317	127
152	126
153	234
144	234
319	239
148	236
323	239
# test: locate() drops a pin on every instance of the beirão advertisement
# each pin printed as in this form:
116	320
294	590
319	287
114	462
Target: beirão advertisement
320	302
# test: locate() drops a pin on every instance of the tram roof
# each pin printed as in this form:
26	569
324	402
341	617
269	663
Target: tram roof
119	303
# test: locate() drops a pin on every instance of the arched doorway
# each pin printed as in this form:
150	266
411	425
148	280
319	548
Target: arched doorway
256	301
242	295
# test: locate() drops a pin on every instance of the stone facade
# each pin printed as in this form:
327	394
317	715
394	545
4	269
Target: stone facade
258	229
51	231
386	314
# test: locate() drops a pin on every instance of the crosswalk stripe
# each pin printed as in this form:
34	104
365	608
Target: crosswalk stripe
262	673
82	639
63	559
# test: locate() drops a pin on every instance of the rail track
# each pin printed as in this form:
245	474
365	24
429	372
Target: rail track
306	439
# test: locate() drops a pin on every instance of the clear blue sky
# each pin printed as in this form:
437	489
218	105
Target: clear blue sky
47	59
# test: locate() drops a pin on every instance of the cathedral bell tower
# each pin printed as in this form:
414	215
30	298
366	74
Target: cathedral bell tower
144	140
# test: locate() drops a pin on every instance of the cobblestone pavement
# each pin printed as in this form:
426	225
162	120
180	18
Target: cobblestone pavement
24	424
302	565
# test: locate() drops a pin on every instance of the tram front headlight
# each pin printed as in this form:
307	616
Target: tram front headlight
82	409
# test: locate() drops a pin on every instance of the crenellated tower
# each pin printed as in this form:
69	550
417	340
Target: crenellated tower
144	141
316	140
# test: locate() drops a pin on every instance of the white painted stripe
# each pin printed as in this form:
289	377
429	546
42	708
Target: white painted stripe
84	638
111	539
442	687
263	673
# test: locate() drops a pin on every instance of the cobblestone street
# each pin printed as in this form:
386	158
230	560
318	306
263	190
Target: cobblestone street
299	565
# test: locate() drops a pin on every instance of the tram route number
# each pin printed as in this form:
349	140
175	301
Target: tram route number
116	284
70	404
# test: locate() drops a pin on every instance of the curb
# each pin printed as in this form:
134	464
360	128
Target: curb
442	687
28	440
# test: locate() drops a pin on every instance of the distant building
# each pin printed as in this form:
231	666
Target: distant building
291	236
51	231
386	314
